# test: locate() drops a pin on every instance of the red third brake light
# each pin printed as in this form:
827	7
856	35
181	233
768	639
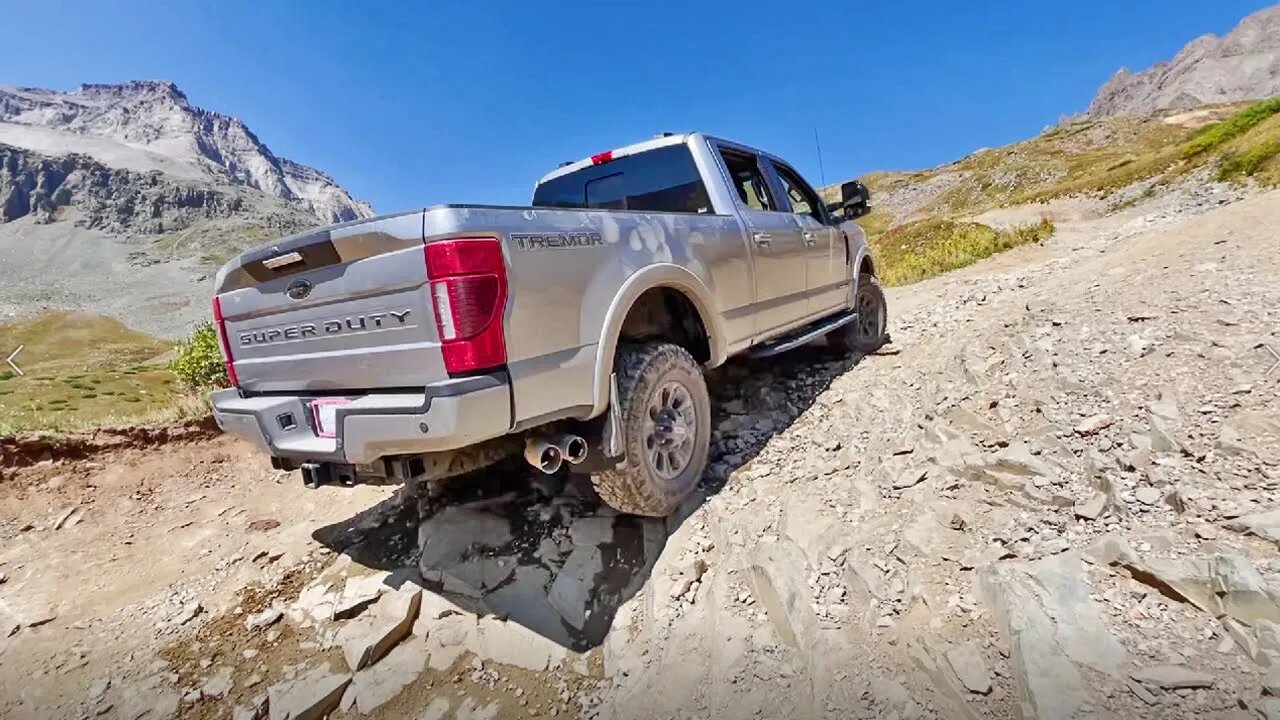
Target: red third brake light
227	359
468	285
602	158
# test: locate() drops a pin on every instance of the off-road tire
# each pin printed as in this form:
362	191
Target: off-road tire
634	487
852	337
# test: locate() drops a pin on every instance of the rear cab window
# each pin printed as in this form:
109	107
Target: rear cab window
660	180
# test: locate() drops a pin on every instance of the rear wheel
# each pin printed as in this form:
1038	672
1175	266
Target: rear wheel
870	329
666	426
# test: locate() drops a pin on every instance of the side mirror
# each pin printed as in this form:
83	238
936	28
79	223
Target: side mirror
855	200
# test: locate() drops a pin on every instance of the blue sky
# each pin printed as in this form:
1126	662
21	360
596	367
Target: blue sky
472	101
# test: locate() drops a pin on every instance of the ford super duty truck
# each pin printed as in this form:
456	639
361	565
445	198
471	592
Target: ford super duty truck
414	346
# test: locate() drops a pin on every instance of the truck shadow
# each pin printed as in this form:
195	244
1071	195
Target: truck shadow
543	551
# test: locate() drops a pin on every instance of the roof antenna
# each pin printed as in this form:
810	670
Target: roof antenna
821	170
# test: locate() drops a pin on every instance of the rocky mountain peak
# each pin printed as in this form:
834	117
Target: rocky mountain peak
148	125
135	88
1241	65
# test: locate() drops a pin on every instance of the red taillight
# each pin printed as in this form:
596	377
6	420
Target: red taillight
602	158
227	359
468	286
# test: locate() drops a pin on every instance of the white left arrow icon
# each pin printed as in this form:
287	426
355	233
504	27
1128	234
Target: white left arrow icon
12	364
1275	355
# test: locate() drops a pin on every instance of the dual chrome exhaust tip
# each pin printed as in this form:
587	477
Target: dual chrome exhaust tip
549	452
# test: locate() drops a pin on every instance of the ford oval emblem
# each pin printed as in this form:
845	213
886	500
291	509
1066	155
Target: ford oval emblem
298	289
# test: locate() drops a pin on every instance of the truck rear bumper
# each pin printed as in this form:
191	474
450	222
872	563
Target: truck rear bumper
445	416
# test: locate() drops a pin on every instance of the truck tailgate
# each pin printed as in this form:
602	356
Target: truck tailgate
335	309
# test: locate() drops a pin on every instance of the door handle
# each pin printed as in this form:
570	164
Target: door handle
762	239
809	238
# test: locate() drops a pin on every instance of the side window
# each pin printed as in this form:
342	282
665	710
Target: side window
803	200
748	180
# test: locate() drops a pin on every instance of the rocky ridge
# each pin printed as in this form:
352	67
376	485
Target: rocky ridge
143	123
121	201
1241	65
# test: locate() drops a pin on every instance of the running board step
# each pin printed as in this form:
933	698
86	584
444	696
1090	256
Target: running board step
806	334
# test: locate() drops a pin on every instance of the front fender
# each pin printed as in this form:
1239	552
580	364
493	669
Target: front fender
859	249
609	319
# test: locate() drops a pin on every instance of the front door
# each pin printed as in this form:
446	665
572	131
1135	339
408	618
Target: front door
778	251
826	258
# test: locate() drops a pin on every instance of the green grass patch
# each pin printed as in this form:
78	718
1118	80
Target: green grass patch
75	367
875	223
1249	162
1215	135
925	248
1095	158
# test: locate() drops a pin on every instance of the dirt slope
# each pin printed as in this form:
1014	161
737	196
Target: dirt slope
1046	499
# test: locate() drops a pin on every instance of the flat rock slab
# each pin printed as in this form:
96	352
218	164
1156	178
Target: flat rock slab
372	635
375	686
1092	507
910	478
309	697
1265	525
592	530
1094	424
1224	584
779	582
1051	625
971	669
218	684
513	644
359	593
570	592
811	525
450	535
1173	677
1271	683
266	618
448	638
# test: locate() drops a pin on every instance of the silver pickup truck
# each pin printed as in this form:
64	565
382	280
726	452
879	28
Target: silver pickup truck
414	346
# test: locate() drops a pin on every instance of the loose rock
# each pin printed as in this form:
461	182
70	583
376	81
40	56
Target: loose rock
1148	495
1095	424
374	686
372	635
969	666
1093	507
266	618
910	478
309	697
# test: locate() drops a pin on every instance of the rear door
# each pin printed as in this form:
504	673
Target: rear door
826	262
778	251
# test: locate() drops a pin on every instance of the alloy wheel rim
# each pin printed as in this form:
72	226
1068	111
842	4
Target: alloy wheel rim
870	317
669	430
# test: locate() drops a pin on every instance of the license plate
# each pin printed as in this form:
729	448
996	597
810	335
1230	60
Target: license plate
325	412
